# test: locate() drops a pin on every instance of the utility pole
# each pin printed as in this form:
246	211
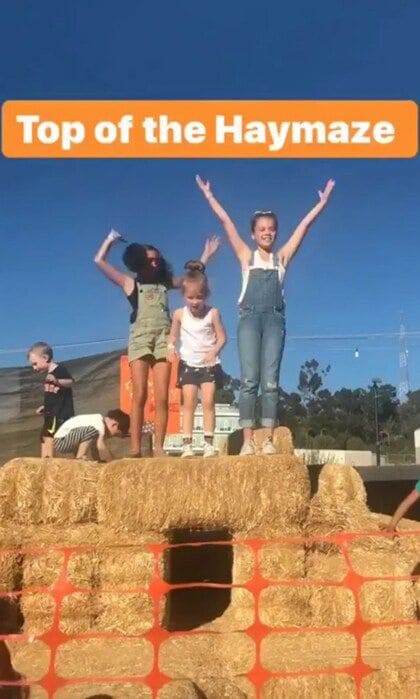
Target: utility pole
404	384
375	383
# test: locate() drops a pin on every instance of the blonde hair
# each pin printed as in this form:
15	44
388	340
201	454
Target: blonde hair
193	277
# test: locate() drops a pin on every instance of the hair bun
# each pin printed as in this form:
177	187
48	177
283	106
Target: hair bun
195	266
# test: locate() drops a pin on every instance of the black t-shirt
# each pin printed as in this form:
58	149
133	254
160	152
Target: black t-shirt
58	401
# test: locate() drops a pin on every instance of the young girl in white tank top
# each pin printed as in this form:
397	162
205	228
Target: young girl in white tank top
200	331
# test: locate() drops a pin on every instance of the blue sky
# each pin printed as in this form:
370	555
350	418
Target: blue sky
357	269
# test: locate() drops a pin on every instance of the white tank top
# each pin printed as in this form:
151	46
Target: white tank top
257	262
197	337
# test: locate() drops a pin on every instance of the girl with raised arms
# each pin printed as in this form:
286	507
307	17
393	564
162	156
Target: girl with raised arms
261	329
150	324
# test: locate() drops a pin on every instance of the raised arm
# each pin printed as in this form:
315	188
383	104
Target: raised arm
402	508
290	248
211	246
240	248
114	275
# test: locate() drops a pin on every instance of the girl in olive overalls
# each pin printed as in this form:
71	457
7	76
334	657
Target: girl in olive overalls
150	324
261	330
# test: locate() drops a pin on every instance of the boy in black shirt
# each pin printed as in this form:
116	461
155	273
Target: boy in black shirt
58	394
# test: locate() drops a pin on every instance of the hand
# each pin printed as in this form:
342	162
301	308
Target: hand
210	358
172	353
50	378
211	246
40	410
325	195
113	236
204	186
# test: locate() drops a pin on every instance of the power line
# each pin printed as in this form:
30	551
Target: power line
304	338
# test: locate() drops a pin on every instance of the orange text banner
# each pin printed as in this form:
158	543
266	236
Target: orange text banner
210	129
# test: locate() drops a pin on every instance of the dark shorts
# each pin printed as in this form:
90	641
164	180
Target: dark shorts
50	426
195	376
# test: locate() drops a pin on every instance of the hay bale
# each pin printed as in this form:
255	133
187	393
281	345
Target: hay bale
180	689
168	493
392	647
287	606
282	561
386	600
243	566
374	556
123	613
114	690
7	491
284	606
69	492
210	688
10	571
340	503
207	655
59	491
104	658
42	569
119	568
331	606
37	692
325	562
47	535
311	687
397	684
38	612
30	658
240	614
214	688
281	652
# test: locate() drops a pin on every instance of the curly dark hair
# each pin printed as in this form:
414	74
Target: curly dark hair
136	260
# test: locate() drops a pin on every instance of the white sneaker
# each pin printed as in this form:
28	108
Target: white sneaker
208	450
268	447
248	448
187	451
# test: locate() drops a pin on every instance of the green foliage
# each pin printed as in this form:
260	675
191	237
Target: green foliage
345	419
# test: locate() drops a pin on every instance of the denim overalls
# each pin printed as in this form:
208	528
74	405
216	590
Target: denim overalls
261	334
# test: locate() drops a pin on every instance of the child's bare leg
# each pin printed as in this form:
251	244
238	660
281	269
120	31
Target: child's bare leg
208	392
161	378
82	449
139	374
189	404
47	447
248	434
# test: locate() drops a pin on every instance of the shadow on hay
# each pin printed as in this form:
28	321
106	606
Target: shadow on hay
189	608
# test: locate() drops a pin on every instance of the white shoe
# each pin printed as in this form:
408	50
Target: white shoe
268	447
187	451
208	450
248	448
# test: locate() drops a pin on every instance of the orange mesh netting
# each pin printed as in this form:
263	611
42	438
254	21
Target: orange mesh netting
258	631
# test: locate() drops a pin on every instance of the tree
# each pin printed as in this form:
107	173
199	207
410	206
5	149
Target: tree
227	394
311	379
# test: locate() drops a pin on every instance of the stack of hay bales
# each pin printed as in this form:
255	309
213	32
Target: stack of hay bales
117	510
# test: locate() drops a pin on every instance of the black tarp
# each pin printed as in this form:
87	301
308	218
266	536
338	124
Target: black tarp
96	390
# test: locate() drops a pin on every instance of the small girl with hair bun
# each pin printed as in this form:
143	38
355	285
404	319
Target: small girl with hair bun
150	324
200	330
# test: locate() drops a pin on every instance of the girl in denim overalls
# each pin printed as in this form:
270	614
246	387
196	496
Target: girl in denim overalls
150	324
261	330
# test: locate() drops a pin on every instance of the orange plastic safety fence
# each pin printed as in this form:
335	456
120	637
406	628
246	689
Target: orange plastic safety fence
258	631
